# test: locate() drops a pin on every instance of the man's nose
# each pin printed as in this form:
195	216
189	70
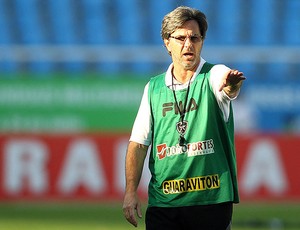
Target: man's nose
188	42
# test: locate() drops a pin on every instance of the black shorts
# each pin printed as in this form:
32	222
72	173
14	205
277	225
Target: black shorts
206	217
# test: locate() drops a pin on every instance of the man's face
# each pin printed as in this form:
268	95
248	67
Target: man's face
185	46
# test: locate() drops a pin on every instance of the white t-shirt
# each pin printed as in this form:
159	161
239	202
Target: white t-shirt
141	131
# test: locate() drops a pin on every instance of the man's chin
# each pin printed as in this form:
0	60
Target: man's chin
191	65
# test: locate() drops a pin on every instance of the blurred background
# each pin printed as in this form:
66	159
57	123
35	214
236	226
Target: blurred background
72	74
118	42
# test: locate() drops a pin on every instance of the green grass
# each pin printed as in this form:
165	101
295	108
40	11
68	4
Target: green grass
61	216
267	216
99	216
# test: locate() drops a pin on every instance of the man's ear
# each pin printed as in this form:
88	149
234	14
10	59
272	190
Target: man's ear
167	45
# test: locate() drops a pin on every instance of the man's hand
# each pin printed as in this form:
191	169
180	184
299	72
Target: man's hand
232	82
131	207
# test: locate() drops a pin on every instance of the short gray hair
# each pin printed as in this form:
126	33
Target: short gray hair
176	18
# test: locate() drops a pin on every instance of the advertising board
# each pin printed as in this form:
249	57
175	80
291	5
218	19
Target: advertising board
91	167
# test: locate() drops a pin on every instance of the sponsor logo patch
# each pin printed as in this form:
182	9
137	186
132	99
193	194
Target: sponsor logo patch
191	184
191	149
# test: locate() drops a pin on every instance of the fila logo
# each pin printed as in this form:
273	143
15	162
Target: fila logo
169	106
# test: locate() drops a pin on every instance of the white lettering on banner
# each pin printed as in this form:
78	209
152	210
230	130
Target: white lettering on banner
119	179
82	167
24	165
263	169
119	160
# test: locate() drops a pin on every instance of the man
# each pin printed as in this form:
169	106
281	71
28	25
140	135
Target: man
186	117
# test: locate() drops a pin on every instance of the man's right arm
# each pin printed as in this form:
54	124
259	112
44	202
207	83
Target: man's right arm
135	157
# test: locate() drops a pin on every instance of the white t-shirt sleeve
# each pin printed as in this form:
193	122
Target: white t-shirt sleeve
216	74
141	132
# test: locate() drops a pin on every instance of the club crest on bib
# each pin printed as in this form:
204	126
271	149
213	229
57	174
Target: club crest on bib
181	127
